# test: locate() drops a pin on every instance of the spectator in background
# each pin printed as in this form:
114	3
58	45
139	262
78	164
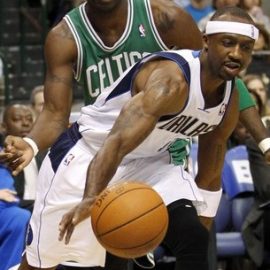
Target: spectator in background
37	99
14	221
261	57
254	8
263	42
258	102
18	120
199	9
255	84
216	4
256	228
1	136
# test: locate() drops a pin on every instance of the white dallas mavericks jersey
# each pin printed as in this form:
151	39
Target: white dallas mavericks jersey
97	120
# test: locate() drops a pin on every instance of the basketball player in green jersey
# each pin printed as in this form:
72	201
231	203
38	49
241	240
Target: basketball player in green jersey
94	44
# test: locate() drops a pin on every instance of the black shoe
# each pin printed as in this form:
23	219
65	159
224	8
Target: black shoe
146	261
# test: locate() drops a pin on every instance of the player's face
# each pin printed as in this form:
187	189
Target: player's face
39	102
257	86
229	54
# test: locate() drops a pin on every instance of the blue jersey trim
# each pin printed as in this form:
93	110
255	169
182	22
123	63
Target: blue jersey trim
125	84
180	60
196	54
63	144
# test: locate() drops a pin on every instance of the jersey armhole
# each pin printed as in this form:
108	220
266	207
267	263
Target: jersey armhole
78	68
153	26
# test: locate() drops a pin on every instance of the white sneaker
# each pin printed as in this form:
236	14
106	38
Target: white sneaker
146	261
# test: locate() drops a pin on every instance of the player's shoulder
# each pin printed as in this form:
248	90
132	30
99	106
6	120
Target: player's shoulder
61	30
60	43
186	54
166	10
170	21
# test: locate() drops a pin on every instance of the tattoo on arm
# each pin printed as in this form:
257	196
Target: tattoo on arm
56	79
163	20
64	31
130	117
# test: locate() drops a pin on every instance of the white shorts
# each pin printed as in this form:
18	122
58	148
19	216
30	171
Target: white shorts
58	192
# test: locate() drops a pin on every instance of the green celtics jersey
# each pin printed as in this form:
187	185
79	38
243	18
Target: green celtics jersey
98	65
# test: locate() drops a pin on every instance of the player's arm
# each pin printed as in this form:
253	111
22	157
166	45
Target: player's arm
164	93
60	52
250	117
211	153
176	27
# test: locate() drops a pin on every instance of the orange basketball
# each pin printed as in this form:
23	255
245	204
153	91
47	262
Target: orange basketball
129	219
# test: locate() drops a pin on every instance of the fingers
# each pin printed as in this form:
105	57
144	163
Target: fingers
66	227
9	140
9	157
15	163
69	231
72	218
17	167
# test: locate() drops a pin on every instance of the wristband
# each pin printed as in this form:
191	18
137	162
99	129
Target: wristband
264	145
212	199
33	145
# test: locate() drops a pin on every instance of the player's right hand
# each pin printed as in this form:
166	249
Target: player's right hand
16	154
73	217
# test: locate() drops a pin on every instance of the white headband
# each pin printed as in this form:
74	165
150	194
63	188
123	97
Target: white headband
245	29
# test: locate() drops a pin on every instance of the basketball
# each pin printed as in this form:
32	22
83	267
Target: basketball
129	219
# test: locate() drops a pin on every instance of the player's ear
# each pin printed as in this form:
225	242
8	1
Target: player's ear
205	42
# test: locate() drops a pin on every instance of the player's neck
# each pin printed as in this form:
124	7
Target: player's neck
213	87
103	18
109	25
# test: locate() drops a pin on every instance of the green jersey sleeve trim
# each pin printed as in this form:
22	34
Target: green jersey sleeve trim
153	26
78	68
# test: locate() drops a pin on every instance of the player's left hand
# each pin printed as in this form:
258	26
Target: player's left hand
17	154
74	217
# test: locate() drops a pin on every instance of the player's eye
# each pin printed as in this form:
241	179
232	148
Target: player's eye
247	47
228	42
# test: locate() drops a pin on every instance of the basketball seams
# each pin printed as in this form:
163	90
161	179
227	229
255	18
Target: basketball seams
110	202
160	234
131	220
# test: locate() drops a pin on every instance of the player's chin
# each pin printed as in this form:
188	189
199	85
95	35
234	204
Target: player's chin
105	5
230	73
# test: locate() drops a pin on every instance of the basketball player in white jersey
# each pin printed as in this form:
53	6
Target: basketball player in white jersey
126	134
